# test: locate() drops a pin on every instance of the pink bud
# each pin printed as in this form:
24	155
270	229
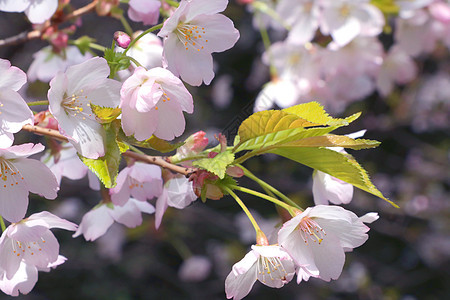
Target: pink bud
122	39
440	11
199	141
235	171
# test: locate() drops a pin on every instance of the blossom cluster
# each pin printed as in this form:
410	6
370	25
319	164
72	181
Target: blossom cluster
100	108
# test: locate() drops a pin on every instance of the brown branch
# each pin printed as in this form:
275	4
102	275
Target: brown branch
159	161
45	131
35	34
154	160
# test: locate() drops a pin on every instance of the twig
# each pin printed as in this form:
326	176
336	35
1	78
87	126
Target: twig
159	161
45	131
35	34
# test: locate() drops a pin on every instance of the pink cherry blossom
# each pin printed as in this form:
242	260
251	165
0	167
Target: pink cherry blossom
195	269
346	19
14	112
70	96
153	102
145	11
317	238
47	64
178	193
303	16
97	221
141	181
37	11
147	50
271	265
22	175
398	67
191	34
30	241
328	188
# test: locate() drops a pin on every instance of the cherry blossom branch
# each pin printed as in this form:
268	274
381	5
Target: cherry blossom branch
35	34
154	160
45	131
159	161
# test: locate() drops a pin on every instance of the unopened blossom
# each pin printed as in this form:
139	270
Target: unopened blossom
22	175
97	221
140	181
30	241
271	265
25	278
70	97
14	112
317	238
37	11
145	11
398	67
122	39
346	19
194	144
191	34
152	103
178	193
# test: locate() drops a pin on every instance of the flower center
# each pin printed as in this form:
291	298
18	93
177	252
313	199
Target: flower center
310	230
191	36
24	248
271	267
77	106
9	173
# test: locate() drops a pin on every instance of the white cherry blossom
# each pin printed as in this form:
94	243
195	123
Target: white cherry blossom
37	11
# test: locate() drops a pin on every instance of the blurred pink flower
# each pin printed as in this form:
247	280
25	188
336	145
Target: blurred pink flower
140	181
37	11
97	221
145	11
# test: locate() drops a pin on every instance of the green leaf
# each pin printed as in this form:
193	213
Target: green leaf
340	165
332	140
216	165
106	167
315	113
275	127
386	6
105	114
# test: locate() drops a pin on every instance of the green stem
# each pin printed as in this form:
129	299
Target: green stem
181	248
177	161
135	61
126	26
172	3
35	103
265	185
246	156
134	149
264	196
97	47
267	44
2	223
244	208
151	29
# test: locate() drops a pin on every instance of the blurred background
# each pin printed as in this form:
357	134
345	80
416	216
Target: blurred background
189	257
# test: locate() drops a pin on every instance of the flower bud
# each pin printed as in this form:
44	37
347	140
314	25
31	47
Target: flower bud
122	39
